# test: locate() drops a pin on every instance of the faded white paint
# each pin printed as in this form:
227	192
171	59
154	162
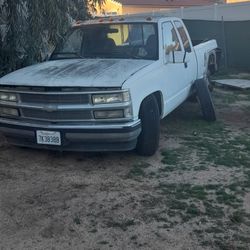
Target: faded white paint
76	72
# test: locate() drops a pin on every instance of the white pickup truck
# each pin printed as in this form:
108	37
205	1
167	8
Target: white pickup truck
105	87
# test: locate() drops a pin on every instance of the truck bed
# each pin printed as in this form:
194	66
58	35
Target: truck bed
204	48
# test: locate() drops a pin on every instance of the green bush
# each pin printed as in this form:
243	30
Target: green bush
31	28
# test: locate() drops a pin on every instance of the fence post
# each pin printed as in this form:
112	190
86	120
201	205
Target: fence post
182	12
215	11
224	42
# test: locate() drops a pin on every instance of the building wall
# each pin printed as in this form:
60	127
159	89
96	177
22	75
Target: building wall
236	1
132	9
109	8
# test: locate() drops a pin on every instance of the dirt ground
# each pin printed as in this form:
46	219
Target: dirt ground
193	194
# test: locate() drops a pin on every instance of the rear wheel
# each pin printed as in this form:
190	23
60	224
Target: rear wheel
205	100
209	81
148	140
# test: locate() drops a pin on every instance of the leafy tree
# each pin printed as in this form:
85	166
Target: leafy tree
29	29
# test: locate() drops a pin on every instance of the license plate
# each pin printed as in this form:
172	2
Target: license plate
48	137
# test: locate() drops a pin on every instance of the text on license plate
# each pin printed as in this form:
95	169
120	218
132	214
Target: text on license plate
48	137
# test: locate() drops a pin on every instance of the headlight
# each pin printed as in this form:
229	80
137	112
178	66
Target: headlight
111	98
8	97
9	112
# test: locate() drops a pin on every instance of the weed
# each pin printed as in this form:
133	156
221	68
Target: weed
230	98
237	217
93	231
103	242
77	220
150	201
201	167
230	74
177	205
214	230
223	245
183	191
246	183
220	149
206	243
212	186
79	185
226	198
138	170
193	211
213	211
123	225
134	237
241	238
170	157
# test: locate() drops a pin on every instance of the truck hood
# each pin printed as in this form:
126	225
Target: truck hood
76	72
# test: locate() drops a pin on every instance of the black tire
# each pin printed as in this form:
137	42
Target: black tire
209	81
192	98
205	100
148	140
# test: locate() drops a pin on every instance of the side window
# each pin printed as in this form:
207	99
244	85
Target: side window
170	38
184	36
148	30
135	34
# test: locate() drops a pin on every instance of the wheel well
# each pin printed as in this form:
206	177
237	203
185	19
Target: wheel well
158	96
212	64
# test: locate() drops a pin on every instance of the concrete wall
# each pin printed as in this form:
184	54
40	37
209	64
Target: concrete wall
216	12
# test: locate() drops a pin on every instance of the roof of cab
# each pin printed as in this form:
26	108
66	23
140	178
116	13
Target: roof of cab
150	18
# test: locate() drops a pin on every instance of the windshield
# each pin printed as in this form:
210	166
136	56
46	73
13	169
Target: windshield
130	40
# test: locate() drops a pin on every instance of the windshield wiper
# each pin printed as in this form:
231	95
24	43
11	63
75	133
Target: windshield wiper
68	53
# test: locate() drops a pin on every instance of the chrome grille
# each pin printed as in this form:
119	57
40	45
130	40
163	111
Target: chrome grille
59	105
55	98
64	115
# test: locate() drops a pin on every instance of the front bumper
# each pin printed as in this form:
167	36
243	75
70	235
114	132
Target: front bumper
88	137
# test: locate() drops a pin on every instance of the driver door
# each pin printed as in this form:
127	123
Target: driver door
174	67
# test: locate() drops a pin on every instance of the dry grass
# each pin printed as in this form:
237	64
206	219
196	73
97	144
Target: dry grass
193	194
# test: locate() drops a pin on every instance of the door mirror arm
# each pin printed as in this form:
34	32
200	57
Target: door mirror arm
170	50
173	56
184	59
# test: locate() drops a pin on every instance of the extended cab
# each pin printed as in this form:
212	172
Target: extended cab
106	86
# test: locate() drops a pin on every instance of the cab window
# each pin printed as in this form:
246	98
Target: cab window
170	38
183	35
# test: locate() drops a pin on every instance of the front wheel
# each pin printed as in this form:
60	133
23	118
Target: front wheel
148	140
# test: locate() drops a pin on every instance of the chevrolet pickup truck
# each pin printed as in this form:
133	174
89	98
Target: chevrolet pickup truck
106	86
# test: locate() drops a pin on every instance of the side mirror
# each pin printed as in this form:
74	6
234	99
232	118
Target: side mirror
170	48
170	53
